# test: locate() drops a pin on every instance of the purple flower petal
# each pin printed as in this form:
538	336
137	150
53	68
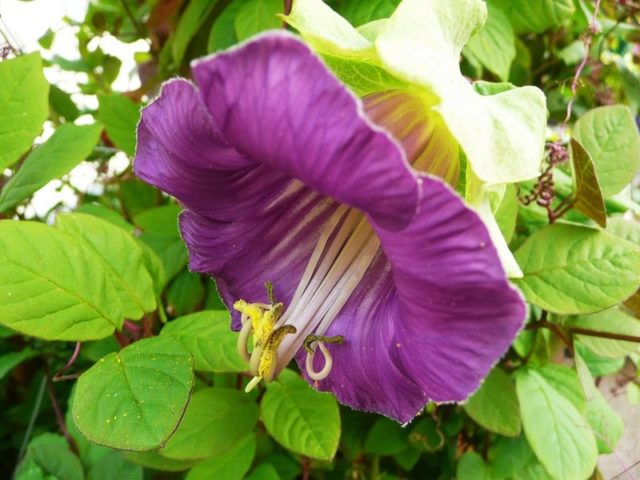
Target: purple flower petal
262	155
429	319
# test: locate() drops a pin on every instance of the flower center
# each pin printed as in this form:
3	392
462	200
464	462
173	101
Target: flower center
345	249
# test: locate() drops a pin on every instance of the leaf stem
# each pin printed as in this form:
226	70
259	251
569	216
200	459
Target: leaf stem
32	422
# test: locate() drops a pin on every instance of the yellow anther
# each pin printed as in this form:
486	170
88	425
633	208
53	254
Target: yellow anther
269	356
251	310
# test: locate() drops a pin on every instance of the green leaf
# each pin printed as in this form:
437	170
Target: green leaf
359	12
105	213
408	458
533	471
48	457
52	287
565	381
610	135
571	269
597	365
122	257
386	438
256	16
160	231
584	375
588	196
508	456
494	46
134	399
630	231
9	361
62	104
138	196
495	405
185	294
427	436
606	423
154	460
536	15
556	431
120	117
472	467
24	105
609	321
303	420
214	422
231	465
265	471
113	466
208	337
190	22
67	147
223	32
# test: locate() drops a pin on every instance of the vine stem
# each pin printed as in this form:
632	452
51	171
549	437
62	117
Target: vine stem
555	329
58	375
582	331
32	422
60	417
592	29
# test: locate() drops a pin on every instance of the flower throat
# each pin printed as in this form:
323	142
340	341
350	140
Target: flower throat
345	249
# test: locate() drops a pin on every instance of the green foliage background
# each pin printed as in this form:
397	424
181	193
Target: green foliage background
159	393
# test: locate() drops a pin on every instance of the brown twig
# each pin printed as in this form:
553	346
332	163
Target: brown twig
60	416
555	329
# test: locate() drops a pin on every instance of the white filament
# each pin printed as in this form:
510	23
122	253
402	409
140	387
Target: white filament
328	363
332	274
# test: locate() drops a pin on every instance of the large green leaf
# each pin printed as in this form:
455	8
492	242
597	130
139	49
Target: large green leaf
565	381
53	287
495	405
256	16
112	465
588	196
230	465
24	105
122	257
630	231
609	321
302	420
208	337
160	231
48	457
120	117
134	399
536	15
571	269
610	135
494	46
556	431
507	456
214	422
67	147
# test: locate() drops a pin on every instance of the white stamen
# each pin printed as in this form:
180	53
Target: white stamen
243	338
328	363
325	288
